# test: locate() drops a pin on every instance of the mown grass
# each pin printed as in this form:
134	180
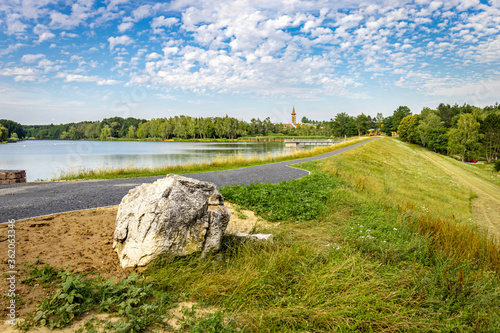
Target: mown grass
374	240
485	171
218	164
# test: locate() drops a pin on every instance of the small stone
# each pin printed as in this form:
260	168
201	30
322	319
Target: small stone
243	237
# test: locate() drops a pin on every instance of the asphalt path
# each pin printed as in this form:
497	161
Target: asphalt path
20	201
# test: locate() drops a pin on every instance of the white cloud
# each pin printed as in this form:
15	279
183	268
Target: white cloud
161	21
107	82
45	36
29	58
11	48
65	34
125	26
153	56
15	71
121	40
86	78
22	78
15	25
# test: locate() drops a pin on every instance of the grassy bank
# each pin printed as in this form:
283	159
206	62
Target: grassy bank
218	164
385	245
376	239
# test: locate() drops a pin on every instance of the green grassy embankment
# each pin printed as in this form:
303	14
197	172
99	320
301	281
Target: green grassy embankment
377	239
218	164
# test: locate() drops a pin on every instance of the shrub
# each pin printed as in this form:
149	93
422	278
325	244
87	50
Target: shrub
497	166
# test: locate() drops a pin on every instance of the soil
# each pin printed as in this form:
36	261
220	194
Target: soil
80	241
486	207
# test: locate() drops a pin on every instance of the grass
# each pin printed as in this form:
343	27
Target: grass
218	164
375	240
485	171
391	249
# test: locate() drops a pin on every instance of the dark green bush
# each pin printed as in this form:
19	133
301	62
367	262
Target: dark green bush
497	166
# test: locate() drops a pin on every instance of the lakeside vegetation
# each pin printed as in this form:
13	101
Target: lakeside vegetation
375	239
218	164
467	131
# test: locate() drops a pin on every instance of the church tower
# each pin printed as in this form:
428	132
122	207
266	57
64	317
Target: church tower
294	117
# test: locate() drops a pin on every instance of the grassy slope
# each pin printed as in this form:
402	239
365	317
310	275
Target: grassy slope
390	249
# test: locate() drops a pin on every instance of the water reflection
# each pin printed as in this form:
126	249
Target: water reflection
44	159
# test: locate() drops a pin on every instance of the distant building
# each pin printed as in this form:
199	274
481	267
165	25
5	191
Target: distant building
294	120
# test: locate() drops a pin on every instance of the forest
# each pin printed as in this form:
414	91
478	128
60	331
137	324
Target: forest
464	130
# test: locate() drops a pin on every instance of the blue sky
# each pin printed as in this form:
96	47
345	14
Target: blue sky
63	61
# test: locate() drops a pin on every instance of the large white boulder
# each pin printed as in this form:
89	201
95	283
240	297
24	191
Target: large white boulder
175	216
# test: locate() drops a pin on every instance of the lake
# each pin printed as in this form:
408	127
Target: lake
45	159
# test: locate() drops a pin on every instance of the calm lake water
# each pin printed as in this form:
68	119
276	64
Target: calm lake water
45	159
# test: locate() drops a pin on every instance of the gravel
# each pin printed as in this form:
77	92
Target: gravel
20	201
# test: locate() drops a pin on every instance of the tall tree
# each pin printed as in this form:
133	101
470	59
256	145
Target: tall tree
13	127
362	123
430	125
4	133
464	140
341	124
131	132
105	133
490	129
407	129
398	115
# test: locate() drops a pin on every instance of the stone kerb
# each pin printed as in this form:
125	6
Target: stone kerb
12	176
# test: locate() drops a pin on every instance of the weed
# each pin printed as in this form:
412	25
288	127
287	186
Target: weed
131	299
207	323
299	199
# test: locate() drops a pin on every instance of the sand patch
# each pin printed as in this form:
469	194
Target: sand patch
81	241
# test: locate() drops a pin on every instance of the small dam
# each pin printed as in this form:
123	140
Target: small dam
300	143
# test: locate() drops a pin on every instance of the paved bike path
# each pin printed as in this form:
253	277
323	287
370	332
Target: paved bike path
20	201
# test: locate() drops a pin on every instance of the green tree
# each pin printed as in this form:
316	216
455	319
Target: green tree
166	129
72	135
398	115
362	124
131	134
180	129
407	129
490	129
105	133
428	123
341	123
4	133
13	127
464	140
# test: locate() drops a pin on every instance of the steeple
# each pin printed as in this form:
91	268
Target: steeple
294	119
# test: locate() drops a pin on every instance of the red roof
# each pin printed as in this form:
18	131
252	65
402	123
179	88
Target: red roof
293	112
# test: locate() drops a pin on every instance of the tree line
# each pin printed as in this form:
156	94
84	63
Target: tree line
467	131
186	127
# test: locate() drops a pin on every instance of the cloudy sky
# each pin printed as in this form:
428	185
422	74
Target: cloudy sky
63	61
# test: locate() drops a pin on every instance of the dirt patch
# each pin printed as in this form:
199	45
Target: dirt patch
81	241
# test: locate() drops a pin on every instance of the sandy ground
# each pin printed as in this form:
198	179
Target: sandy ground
486	207
81	241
